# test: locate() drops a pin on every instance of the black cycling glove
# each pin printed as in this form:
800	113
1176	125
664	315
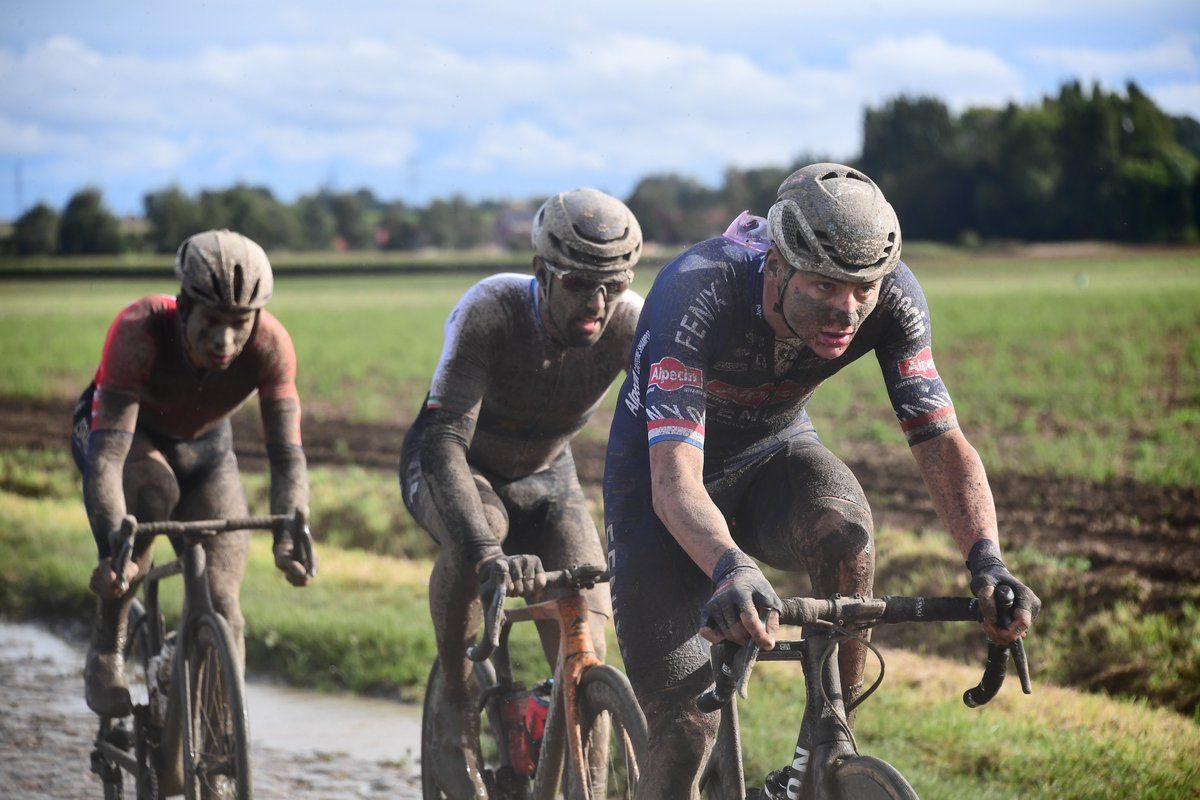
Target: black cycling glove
987	569
518	574
740	587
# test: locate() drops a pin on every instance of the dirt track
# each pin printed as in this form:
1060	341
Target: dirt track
1125	529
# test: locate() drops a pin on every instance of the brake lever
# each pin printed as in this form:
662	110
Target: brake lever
996	668
302	543
127	532
493	620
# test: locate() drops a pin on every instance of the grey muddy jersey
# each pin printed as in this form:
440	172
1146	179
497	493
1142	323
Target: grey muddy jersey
526	394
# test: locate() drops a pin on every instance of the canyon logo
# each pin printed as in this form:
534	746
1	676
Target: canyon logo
670	374
921	364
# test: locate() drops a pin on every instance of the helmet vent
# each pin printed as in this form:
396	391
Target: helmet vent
254	293
582	234
239	281
216	285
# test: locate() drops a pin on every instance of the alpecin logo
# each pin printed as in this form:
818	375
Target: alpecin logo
670	374
920	364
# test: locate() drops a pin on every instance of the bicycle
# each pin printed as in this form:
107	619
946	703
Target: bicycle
191	733
519	763
827	763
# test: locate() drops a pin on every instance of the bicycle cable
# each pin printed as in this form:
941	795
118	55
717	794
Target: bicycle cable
843	718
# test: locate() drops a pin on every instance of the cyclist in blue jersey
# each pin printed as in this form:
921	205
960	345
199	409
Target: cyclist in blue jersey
712	459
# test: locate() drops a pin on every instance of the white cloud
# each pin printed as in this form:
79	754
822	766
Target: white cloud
1172	55
928	64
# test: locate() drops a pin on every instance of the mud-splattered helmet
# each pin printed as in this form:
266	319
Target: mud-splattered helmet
225	270
587	230
833	220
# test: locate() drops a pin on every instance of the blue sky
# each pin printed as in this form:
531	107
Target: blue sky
423	100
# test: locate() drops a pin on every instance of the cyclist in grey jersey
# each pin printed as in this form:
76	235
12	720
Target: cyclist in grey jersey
711	458
487	468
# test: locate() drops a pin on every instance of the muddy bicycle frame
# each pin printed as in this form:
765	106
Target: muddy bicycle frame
824	741
192	564
576	655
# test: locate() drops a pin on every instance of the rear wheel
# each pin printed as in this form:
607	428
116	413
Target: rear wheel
613	730
867	778
216	754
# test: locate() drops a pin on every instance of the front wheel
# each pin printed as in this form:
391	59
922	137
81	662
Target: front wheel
502	783
216	751
613	731
867	778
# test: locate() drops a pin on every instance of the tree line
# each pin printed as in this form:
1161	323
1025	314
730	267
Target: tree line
1082	164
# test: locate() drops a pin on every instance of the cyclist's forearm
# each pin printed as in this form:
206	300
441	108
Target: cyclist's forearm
452	487
103	486
684	506
958	487
289	478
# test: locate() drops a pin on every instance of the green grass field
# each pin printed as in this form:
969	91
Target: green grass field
363	626
1077	367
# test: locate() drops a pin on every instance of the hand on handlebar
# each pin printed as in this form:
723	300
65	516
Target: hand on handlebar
106	584
987	572
744	606
298	564
520	575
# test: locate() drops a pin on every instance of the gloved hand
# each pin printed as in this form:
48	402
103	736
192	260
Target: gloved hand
743	605
987	572
521	575
105	583
295	571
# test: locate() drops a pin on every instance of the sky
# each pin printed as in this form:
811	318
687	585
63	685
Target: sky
416	101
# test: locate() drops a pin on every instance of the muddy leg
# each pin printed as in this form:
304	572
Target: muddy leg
681	740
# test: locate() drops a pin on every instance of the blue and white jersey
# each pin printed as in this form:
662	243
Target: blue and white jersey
706	368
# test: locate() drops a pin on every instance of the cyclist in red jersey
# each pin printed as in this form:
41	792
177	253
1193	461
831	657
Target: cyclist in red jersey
152	438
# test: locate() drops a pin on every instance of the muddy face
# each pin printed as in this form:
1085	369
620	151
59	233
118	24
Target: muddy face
824	313
215	337
577	310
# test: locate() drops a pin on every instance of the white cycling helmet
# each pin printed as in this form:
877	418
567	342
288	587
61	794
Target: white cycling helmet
833	220
224	269
587	230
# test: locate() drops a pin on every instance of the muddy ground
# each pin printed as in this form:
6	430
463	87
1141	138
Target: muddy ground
1126	530
46	737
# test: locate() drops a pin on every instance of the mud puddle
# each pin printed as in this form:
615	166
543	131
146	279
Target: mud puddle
305	744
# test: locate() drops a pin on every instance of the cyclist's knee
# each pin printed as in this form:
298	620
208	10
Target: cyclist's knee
151	490
680	733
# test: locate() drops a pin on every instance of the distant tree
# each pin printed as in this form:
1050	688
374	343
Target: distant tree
455	223
402	227
911	149
252	211
87	226
352	217
752	190
35	232
172	216
676	210
315	223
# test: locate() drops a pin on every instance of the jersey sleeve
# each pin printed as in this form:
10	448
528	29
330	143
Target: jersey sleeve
473	331
130	351
919	397
276	358
685	312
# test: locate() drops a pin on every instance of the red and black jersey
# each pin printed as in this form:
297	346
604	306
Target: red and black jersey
144	357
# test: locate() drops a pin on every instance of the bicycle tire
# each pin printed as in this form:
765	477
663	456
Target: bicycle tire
604	689
869	778
216	744
493	745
